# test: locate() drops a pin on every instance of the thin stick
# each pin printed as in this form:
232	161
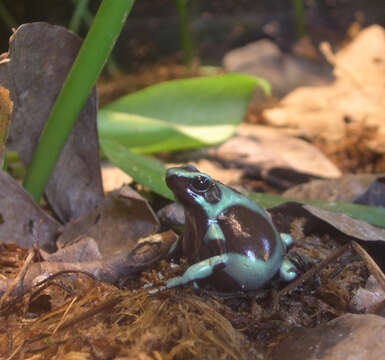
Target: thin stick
308	274
15	351
65	314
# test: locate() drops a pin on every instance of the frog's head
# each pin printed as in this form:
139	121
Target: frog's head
191	187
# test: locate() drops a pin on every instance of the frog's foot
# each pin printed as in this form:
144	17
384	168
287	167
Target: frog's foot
287	240
287	270
197	271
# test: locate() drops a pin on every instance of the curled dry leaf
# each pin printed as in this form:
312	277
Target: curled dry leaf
39	58
346	188
84	249
352	227
115	224
21	220
264	151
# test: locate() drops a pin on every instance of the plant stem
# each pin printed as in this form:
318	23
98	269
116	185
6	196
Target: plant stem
6	16
81	8
80	80
82	13
185	36
299	18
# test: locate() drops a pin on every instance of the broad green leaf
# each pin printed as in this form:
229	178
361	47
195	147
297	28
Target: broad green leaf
144	170
179	114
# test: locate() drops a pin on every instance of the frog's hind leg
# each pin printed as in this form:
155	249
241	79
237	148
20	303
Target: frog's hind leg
198	271
287	271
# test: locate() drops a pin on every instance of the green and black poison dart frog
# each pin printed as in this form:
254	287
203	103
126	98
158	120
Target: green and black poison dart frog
229	240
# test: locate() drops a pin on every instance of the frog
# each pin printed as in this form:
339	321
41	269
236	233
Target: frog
229	241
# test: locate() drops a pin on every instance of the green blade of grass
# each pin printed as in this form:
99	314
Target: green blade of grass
371	214
6	17
78	85
81	8
299	10
185	35
144	170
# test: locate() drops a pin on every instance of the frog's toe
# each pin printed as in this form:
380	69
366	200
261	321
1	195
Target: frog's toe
287	271
301	262
157	289
287	240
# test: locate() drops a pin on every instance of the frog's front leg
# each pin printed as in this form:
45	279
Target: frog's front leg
197	271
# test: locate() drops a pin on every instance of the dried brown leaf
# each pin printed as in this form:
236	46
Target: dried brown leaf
116	224
21	220
40	57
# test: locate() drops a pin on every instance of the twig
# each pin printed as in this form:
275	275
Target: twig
20	276
15	352
64	315
307	275
108	304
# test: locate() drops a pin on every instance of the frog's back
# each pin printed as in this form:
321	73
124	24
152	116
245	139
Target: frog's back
249	233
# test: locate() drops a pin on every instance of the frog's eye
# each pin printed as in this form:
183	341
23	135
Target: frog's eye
201	183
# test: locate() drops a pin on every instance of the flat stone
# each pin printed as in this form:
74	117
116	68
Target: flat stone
367	297
349	337
284	72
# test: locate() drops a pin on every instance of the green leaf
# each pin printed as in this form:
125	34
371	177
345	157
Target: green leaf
371	214
179	114
144	170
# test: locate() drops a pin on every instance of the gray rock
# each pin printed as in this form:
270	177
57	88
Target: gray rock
284	72
349	337
366	298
